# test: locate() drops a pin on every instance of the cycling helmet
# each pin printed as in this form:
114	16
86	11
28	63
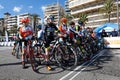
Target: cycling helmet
63	20
39	26
51	17
72	23
25	20
80	23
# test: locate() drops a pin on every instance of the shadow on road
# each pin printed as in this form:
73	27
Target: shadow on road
55	69
98	63
9	64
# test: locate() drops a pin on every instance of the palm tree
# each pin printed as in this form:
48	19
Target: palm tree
108	8
35	16
68	16
13	30
83	18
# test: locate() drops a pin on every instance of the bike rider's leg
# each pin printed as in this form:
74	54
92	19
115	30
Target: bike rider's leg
23	54
13	50
47	55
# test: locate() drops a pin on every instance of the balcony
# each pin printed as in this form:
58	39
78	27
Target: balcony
86	9
76	3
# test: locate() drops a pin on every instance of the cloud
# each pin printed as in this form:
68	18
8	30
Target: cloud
30	7
17	9
1	7
43	8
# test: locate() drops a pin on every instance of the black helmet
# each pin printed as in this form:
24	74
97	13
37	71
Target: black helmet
80	23
72	23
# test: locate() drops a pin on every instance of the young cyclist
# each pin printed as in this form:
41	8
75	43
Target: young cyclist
17	41
63	28
50	30
40	38
72	33
26	32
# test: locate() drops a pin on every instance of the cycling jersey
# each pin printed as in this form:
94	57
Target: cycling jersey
71	32
63	29
50	30
26	32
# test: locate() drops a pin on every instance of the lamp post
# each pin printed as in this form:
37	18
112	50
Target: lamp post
58	12
118	16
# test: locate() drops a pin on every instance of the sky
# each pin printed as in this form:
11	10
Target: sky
16	7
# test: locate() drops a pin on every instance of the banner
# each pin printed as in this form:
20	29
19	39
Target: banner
112	42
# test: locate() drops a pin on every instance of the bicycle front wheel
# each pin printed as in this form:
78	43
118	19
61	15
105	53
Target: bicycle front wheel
32	58
66	57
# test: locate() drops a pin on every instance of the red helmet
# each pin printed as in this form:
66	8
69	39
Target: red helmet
25	20
63	20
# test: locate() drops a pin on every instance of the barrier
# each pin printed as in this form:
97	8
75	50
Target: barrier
6	43
112	42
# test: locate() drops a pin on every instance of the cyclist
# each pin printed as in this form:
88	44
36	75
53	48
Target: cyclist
50	30
26	32
18	40
63	28
72	33
40	37
40	32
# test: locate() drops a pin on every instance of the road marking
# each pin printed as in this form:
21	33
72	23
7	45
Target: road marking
63	78
86	66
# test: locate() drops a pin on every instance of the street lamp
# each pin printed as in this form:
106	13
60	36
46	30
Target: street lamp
118	16
58	12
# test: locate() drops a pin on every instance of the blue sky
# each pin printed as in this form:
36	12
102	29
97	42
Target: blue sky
16	7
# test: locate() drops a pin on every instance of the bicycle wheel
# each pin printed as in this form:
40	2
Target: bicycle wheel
66	57
17	51
32	58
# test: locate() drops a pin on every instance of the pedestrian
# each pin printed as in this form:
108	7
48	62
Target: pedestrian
104	34
114	33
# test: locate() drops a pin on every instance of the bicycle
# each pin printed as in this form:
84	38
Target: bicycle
62	54
16	50
29	54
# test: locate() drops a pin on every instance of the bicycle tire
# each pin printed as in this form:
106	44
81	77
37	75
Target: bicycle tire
32	58
66	59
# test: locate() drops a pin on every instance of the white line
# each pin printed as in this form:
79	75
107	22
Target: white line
85	67
73	71
77	68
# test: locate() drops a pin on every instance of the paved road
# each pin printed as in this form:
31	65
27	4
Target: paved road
104	66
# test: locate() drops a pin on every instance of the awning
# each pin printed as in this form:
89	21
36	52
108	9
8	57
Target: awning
108	27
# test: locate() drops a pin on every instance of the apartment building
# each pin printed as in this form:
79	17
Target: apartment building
1	23
10	21
67	10
91	8
56	10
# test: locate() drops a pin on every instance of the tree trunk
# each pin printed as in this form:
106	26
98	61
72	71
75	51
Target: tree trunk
109	18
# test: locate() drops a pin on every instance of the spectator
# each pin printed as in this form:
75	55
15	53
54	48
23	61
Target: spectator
103	34
114	33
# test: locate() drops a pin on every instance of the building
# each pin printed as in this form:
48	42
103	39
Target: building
67	10
1	24
56	10
91	8
11	21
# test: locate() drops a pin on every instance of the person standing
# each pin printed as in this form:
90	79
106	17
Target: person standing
103	34
114	33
